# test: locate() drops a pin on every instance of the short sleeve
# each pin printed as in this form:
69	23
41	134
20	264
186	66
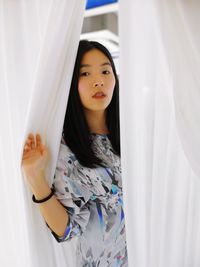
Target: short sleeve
72	192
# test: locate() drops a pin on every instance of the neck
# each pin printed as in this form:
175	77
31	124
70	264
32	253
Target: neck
96	121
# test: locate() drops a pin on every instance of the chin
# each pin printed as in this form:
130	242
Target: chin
100	108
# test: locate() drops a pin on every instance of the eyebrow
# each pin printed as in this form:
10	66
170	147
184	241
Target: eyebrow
88	65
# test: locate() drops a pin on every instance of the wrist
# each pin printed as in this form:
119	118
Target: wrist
39	186
44	199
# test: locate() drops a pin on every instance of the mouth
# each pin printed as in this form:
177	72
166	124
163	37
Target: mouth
99	95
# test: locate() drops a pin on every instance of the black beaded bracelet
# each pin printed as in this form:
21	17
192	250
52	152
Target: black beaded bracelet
44	199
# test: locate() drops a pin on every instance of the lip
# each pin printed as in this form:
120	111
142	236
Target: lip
96	96
99	97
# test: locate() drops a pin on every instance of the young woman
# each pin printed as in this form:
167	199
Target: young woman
86	196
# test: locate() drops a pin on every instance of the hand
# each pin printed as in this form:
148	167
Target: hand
35	158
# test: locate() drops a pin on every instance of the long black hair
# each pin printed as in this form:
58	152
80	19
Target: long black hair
75	129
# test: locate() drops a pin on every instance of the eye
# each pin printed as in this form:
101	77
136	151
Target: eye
84	73
106	72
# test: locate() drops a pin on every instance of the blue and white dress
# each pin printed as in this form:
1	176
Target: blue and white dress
93	199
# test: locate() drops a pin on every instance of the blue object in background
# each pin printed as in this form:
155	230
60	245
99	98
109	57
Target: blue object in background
95	3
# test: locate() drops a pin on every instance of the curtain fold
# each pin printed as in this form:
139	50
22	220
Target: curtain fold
179	23
159	112
39	41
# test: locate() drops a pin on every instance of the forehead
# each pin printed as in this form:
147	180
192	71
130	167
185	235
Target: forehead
94	56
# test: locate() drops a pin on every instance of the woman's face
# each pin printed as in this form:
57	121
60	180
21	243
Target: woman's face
96	76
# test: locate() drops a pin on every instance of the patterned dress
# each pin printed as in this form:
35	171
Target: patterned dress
93	199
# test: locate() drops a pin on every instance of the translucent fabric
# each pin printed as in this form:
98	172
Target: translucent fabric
159	112
38	45
160	130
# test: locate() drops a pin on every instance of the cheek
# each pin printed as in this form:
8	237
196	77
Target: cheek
111	84
84	85
81	88
83	91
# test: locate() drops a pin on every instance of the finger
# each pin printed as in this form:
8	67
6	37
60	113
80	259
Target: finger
30	136
26	147
28	143
38	140
29	139
25	157
42	148
44	151
32	142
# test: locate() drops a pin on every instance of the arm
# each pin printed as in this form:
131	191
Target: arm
34	161
66	213
52	210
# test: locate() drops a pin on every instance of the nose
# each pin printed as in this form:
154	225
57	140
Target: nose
98	84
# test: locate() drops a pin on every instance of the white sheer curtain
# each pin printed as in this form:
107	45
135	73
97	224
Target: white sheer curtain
160	130
38	44
159	104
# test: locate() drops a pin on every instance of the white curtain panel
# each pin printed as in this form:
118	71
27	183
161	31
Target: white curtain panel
38	45
160	130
